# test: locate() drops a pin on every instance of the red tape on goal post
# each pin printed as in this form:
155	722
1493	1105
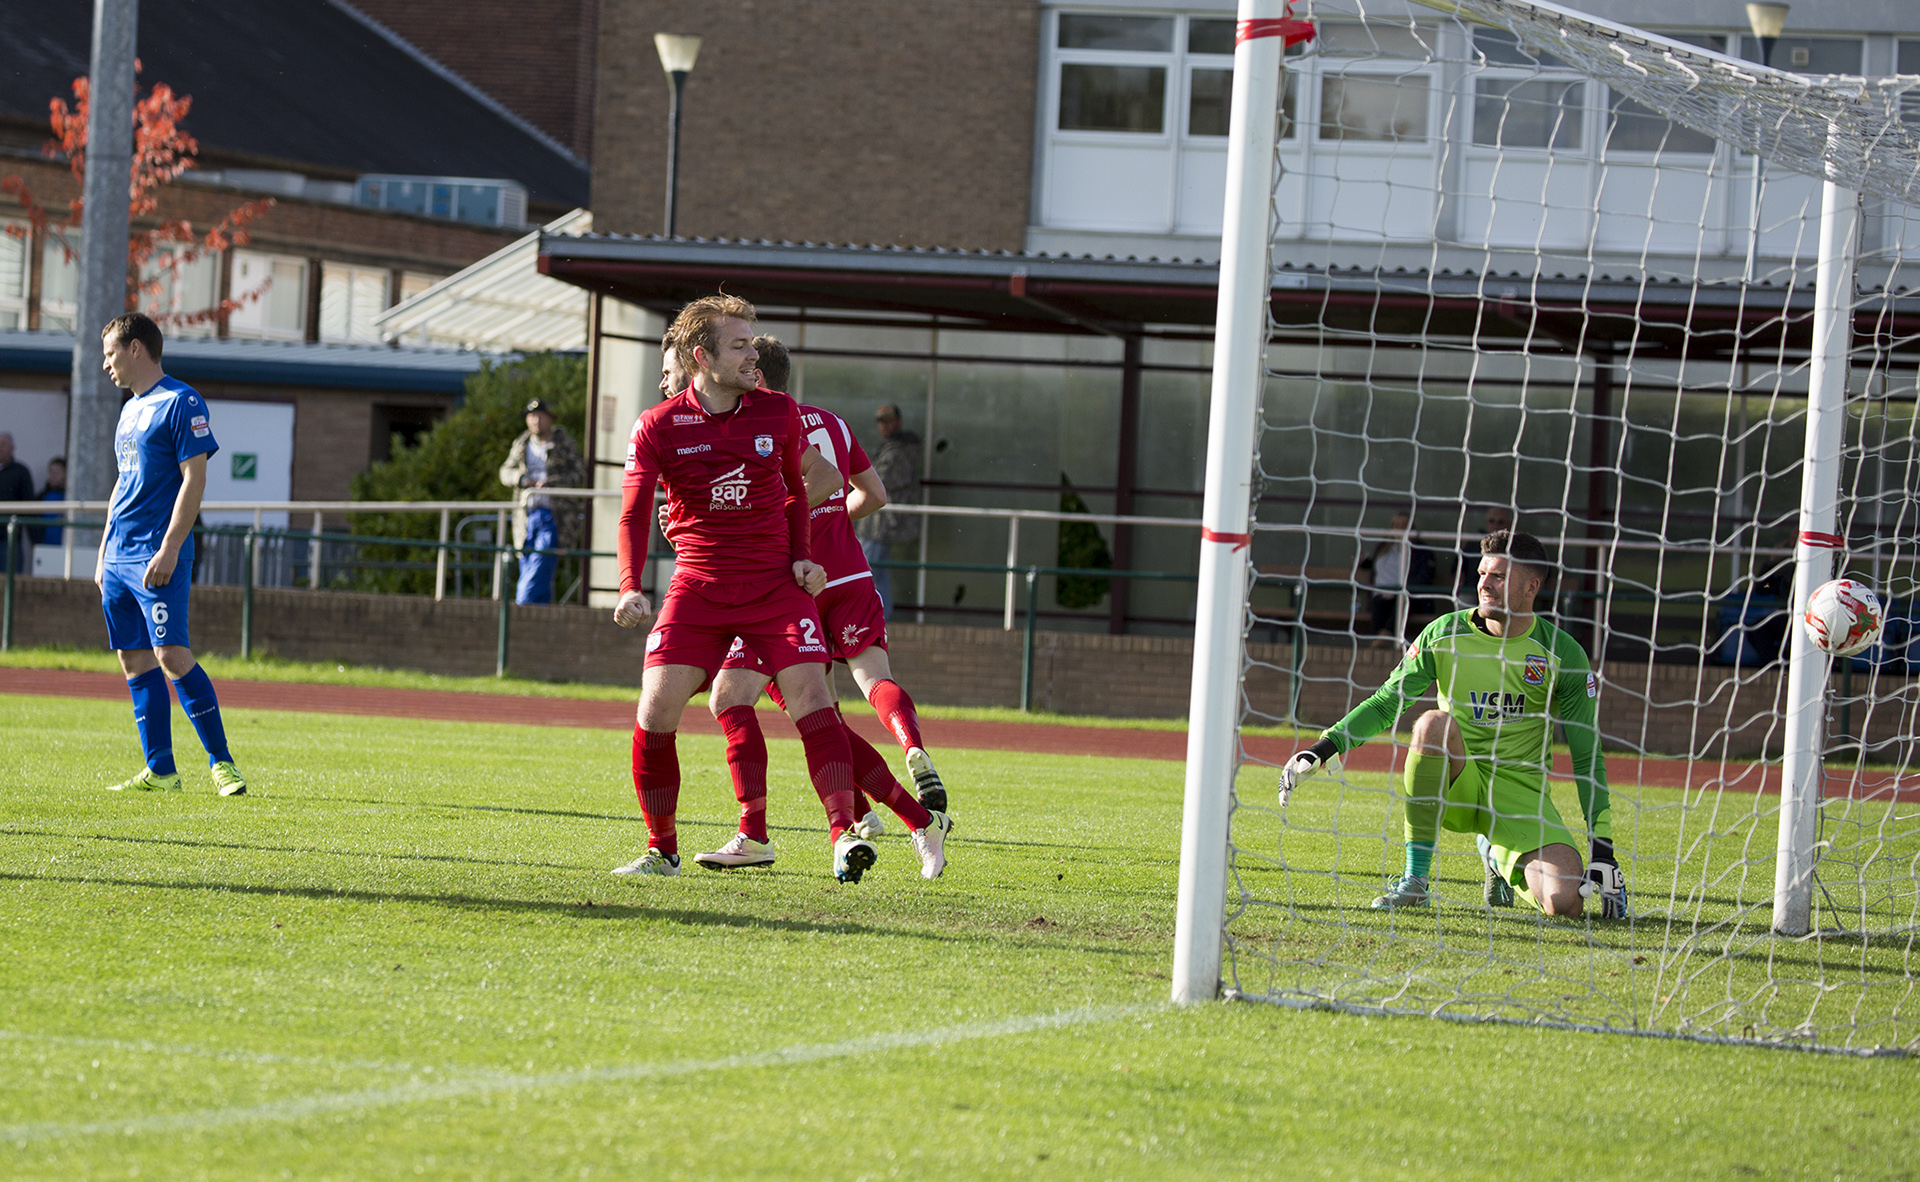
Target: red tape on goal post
1829	541
1293	31
1240	541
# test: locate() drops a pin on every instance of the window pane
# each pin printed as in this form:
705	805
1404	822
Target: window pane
1502	48
286	298
13	266
1910	57
1080	30
1212	93
1112	98
1373	108
1208	112
1637	128
1209	36
1541	113
1375	39
1809	55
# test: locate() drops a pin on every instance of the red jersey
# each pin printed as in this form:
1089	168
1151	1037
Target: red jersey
737	506
834	546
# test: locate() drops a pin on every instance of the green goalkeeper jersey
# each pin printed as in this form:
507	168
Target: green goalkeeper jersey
1500	691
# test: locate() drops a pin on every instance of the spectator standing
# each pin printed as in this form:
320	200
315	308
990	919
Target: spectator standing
1398	563
543	456
16	484
55	490
898	462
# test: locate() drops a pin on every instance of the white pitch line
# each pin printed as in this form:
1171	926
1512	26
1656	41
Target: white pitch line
485	1084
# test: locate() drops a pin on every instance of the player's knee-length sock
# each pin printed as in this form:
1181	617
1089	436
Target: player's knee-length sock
1426	778
747	764
873	775
830	764
656	781
895	709
203	711
153	718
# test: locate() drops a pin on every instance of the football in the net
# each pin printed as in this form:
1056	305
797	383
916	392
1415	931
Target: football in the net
1843	617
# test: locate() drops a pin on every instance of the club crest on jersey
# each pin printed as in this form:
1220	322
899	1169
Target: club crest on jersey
730	490
1496	705
763	445
1536	673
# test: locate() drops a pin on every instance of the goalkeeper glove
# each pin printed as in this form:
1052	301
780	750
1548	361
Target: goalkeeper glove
1322	756
1605	881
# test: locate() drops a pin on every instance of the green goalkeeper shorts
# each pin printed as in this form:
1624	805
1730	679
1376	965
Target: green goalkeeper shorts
1511	806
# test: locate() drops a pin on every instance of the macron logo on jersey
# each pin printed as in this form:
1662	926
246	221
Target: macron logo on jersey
730	491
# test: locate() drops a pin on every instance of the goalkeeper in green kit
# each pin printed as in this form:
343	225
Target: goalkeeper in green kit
1478	764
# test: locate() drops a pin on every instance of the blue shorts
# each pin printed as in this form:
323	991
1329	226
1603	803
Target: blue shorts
146	617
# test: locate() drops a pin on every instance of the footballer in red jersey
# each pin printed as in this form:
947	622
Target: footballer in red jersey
857	634
729	455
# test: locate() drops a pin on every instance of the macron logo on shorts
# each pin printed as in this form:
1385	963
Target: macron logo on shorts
730	490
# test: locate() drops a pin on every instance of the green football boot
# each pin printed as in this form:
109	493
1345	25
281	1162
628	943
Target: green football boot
148	781
227	778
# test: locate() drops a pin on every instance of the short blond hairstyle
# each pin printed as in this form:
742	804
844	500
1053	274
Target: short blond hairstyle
698	325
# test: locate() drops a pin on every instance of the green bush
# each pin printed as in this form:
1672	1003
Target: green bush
1081	548
459	460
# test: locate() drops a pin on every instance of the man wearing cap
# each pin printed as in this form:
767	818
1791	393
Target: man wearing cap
543	456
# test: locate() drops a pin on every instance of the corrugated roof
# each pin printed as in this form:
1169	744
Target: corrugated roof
500	304
300	81
273	363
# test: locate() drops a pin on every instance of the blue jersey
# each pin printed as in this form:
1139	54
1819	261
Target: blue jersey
159	430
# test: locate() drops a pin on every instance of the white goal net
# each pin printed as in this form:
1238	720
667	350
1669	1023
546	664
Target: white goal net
1647	301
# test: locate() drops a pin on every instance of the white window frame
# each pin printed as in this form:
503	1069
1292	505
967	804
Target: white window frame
15	302
239	289
1591	125
1400	71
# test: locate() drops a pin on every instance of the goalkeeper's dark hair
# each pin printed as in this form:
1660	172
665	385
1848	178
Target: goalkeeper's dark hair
1520	549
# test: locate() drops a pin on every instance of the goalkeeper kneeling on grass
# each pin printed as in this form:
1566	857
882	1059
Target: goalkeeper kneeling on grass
1478	764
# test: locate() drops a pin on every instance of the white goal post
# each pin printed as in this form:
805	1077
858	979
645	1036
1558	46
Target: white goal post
1481	100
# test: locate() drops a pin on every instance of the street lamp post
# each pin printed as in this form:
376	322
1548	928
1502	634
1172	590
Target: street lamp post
678	52
1766	21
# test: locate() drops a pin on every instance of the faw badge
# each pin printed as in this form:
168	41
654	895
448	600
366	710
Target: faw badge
763	445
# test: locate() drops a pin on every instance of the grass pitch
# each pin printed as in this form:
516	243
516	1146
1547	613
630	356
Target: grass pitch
403	956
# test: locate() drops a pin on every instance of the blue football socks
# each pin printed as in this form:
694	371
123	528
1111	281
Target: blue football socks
203	710
153	718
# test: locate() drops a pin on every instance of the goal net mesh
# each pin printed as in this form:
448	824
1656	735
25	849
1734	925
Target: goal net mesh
1518	271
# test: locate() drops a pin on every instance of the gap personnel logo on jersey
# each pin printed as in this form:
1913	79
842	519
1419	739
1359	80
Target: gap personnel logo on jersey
1536	673
730	491
688	420
1496	705
1593	686
763	445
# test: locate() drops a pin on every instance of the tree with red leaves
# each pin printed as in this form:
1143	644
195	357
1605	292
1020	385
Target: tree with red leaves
162	151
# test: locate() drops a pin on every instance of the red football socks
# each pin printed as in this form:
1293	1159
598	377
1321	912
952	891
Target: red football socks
895	709
747	762
877	779
830	764
656	781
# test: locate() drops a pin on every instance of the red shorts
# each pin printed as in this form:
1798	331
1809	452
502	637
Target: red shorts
855	623
774	620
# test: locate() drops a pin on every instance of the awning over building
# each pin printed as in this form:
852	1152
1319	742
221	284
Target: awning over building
1039	293
501	304
271	363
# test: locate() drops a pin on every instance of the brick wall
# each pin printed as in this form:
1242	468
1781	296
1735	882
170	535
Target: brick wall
1648	707
332	430
867	121
534	56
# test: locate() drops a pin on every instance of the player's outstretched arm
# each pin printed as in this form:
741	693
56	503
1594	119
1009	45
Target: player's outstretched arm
869	495
1322	756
